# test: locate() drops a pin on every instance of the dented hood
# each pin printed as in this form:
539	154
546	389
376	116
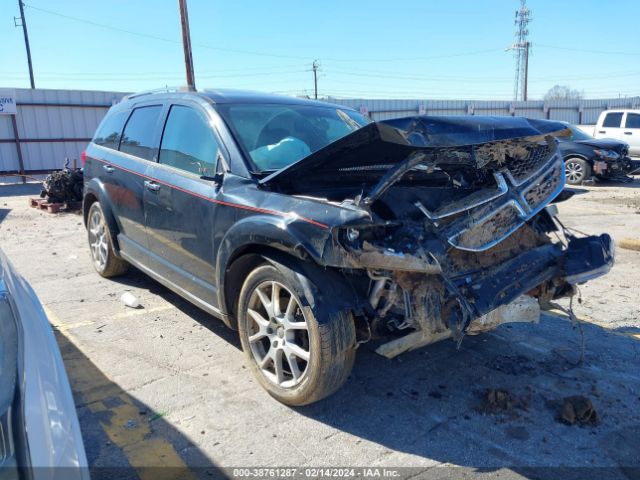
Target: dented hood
390	142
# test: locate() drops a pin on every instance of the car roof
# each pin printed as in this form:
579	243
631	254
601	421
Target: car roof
229	96
621	110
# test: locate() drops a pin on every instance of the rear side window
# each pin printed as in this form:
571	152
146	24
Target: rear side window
613	120
138	135
110	130
633	120
188	142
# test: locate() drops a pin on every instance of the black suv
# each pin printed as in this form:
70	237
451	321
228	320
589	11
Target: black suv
586	157
311	229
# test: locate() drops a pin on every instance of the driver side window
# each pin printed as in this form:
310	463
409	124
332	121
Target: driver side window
188	142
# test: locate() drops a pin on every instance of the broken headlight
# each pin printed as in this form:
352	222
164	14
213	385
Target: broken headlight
607	154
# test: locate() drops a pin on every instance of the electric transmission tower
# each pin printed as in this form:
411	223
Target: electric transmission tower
521	49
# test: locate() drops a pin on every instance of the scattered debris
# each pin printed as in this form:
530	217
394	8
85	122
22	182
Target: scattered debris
130	300
579	410
157	416
64	186
500	401
511	364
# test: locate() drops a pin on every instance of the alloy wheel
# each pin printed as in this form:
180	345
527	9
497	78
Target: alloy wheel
278	334
98	239
574	171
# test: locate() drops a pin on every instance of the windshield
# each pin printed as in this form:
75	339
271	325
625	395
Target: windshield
275	136
576	134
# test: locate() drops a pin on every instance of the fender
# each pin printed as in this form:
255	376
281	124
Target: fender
97	189
325	290
577	155
287	235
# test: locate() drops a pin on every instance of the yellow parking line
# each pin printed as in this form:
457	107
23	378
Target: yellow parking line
119	416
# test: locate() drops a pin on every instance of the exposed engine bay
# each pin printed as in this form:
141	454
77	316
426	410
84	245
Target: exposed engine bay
460	232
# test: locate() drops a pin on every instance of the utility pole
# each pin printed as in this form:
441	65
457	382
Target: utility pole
23	22
521	50
315	67
186	44
526	71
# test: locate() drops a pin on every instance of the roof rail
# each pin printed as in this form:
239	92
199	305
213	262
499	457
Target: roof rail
159	90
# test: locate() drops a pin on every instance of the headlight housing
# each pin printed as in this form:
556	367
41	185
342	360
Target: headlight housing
607	154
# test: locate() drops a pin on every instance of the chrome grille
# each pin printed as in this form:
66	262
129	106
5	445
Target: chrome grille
540	191
496	226
486	225
522	168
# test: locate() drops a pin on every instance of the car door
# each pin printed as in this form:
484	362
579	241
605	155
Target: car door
611	126
122	172
179	198
631	132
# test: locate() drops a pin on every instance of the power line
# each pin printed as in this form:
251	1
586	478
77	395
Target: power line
597	52
261	54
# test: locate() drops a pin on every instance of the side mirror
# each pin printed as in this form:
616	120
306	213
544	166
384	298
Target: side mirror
217	178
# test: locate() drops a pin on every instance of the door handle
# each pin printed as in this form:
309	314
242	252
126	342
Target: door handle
628	133
108	168
153	186
602	131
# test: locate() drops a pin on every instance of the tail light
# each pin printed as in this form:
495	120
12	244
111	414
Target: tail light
83	157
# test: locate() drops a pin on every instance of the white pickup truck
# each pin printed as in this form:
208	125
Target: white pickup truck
621	125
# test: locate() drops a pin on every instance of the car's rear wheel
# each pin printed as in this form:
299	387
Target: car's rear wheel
104	259
297	354
577	171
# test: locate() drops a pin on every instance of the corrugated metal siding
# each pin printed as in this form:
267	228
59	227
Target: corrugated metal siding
566	110
85	109
77	120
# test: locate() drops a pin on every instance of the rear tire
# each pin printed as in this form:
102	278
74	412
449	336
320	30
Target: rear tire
577	171
315	353
105	261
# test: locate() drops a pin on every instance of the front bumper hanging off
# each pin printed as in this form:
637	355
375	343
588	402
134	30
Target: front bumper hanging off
583	259
501	295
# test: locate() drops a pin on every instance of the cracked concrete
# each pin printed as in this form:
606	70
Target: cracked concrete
202	407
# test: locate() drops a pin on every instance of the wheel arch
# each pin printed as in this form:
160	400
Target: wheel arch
336	292
95	191
578	155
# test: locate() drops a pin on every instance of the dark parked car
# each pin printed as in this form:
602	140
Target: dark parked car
311	229
586	156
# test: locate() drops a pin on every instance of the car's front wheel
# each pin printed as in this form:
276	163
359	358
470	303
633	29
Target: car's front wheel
104	259
297	354
577	171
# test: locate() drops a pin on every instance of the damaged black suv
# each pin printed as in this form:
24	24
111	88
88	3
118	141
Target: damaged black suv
311	229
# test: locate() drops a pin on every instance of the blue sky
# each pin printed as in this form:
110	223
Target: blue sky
366	48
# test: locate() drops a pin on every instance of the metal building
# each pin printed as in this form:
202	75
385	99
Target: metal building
51	125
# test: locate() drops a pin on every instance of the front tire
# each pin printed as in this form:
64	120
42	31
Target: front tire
104	259
295	353
577	171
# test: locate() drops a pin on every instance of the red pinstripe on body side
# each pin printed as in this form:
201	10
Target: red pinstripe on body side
211	200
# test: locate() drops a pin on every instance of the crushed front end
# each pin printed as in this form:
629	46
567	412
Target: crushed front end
460	234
